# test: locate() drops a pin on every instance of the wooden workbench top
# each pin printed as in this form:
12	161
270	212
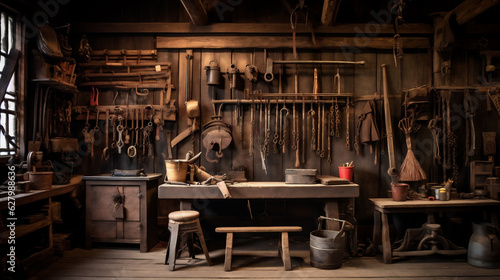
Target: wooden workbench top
424	203
259	190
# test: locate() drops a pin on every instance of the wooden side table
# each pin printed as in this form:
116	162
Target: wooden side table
122	210
385	206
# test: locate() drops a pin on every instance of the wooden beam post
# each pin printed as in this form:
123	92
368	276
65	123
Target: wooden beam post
330	11
196	11
469	9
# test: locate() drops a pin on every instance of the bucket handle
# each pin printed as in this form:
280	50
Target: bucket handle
342	228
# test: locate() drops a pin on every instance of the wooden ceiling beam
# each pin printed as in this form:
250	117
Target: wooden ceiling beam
196	11
245	28
470	9
330	11
348	44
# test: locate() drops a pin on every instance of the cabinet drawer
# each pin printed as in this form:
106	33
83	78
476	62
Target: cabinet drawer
115	230
103	206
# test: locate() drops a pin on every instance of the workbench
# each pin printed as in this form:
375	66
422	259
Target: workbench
385	206
201	194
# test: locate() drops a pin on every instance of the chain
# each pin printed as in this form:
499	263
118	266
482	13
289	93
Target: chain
358	132
337	119
313	129
452	141
252	127
347	140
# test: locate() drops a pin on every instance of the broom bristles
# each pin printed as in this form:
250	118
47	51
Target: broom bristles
410	169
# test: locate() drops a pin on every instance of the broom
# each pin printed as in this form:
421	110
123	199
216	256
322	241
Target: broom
410	169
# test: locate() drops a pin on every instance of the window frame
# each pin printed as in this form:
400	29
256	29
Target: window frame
18	95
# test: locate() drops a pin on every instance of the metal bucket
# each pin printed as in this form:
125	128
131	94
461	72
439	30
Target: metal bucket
41	180
176	170
327	247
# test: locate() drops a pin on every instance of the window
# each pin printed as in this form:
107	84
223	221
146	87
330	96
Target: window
9	93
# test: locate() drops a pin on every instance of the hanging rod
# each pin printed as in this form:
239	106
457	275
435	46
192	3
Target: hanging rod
271	95
272	101
269	76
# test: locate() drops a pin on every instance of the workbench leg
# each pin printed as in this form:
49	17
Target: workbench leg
186	204
287	263
332	211
386	239
229	251
377	231
494	218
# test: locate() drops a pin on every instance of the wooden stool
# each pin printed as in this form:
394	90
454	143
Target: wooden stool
181	222
283	247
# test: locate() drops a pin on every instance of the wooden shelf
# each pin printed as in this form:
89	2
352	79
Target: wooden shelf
22	230
56	84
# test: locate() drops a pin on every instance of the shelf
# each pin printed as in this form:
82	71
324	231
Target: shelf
56	84
22	230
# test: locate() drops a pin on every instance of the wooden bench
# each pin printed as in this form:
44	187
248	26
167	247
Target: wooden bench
283	247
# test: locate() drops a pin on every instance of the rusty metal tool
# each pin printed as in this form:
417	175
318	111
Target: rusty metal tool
252	127
392	171
105	151
131	151
311	114
318	139
284	126
322	153
276	129
347	129
304	129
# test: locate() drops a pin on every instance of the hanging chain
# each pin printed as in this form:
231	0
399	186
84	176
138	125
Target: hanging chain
347	140
337	119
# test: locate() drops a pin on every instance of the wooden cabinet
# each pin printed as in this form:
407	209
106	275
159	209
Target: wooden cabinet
122	210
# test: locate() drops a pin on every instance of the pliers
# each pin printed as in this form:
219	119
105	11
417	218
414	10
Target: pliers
94	97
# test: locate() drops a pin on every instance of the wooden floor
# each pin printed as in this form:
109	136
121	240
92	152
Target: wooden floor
128	263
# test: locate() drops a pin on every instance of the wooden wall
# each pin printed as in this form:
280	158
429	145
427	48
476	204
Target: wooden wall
416	70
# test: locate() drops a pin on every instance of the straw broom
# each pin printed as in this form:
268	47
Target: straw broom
410	169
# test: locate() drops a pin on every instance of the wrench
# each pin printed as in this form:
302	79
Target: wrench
105	151
120	143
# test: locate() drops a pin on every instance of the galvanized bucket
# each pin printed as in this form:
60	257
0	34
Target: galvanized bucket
327	247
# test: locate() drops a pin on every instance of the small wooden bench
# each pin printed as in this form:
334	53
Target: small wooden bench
283	247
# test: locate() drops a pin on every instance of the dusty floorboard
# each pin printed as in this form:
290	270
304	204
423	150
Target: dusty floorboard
129	263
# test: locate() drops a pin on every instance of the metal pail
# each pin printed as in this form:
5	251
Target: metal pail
327	247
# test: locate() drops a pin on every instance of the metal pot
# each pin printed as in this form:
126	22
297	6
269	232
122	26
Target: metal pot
177	169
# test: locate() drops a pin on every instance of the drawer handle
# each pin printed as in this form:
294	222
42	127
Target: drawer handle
139	195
